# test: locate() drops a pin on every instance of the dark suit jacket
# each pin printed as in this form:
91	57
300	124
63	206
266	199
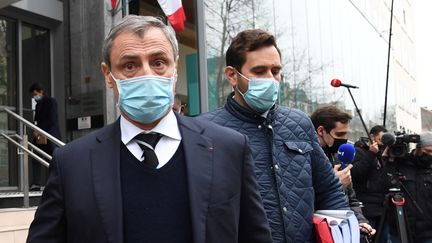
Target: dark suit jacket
82	200
46	115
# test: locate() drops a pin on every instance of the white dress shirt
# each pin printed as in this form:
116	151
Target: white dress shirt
167	145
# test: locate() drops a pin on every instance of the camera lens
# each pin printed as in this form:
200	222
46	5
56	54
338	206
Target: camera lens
398	150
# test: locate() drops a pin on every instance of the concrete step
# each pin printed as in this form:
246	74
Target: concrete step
14	224
15	199
16	216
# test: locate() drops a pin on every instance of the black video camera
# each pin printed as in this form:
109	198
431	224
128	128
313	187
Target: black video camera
398	144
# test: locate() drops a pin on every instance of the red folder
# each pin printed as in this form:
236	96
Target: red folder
322	230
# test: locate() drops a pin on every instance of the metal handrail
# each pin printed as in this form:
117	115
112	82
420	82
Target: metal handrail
33	155
24	147
34	147
34	127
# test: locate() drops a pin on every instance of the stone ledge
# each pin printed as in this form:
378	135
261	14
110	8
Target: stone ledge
5	229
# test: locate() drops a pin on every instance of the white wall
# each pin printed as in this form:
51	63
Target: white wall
5	3
181	87
49	8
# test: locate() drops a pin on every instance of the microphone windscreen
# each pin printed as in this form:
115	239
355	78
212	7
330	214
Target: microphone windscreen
336	83
388	139
346	153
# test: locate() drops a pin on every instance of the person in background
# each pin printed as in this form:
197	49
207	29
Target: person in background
46	118
416	177
178	106
293	173
370	179
153	175
332	127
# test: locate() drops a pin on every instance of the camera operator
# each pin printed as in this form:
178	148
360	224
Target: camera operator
369	178
416	179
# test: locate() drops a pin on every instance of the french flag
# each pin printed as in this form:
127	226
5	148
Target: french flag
173	9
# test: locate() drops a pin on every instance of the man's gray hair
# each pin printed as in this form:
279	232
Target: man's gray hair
425	140
138	25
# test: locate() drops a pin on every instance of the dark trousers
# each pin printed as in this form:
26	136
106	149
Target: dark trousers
39	173
375	223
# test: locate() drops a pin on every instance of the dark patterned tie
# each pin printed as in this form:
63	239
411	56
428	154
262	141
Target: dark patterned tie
147	142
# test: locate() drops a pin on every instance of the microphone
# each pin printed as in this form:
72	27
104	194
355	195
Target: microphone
346	153
337	83
388	139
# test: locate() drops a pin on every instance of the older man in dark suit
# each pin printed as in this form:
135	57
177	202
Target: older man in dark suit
152	176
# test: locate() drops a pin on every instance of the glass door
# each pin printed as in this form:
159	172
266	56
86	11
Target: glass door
36	64
36	67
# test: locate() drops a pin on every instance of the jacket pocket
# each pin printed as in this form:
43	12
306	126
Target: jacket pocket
297	161
299	147
223	221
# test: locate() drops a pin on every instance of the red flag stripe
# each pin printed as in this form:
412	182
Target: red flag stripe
113	4
177	19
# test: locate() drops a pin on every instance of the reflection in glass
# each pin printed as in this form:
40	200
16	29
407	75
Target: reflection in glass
224	19
7	63
319	41
8	94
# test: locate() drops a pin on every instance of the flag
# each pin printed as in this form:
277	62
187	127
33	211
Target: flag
174	11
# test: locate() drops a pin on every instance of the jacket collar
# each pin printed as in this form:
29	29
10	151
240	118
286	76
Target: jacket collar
246	115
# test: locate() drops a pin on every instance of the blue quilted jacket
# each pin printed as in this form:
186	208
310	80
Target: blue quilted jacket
293	173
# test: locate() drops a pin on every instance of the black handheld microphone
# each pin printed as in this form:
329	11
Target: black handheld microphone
337	83
388	139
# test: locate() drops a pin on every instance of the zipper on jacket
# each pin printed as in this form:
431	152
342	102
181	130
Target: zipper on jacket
268	129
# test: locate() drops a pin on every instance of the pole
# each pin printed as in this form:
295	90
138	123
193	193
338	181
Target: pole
388	64
26	199
358	112
399	201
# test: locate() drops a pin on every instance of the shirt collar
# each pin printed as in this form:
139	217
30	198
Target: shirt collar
167	126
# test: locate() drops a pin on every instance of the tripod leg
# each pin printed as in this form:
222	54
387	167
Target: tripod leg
398	200
383	219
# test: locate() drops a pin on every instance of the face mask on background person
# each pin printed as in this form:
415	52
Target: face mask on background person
262	93
424	161
37	97
336	143
146	98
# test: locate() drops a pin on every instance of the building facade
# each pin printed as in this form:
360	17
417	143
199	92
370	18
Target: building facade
32	46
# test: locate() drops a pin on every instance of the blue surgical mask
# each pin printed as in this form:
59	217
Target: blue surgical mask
145	99
262	93
37	97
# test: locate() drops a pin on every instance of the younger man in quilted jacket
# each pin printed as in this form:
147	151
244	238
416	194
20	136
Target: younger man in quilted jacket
293	173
